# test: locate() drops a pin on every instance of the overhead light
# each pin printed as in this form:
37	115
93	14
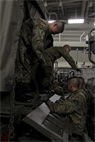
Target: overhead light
51	21
75	21
94	23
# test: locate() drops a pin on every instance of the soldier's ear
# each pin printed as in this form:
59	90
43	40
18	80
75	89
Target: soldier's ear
71	85
54	24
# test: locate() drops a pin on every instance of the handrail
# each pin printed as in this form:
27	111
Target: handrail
89	51
82	36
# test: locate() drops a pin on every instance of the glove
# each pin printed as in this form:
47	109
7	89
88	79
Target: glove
78	70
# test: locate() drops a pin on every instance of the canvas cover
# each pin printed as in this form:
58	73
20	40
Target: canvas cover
12	14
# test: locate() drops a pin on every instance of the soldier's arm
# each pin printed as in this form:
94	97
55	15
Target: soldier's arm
68	106
37	41
69	59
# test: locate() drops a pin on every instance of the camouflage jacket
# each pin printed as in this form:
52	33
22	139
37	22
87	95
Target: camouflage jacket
41	38
88	96
74	107
53	53
34	39
35	34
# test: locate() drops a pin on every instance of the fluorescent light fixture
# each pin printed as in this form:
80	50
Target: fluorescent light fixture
94	23
75	21
51	21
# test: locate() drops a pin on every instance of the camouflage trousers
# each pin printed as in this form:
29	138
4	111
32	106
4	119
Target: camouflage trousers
48	75
47	67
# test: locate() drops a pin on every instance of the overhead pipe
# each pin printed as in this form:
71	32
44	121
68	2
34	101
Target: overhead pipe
66	5
62	10
87	9
75	12
83	8
67	1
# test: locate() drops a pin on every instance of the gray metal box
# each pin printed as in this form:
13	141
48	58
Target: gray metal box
51	125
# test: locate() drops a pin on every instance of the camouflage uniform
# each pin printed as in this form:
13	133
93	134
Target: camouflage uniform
87	95
49	56
34	39
89	98
75	108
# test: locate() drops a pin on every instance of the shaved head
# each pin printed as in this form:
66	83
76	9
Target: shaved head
56	27
60	26
74	81
67	47
81	81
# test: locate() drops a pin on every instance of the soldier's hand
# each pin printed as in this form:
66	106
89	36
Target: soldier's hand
78	70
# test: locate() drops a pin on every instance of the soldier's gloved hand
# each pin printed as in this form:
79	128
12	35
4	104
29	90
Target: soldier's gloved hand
78	70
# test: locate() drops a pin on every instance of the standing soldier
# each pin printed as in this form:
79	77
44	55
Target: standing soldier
35	37
49	56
